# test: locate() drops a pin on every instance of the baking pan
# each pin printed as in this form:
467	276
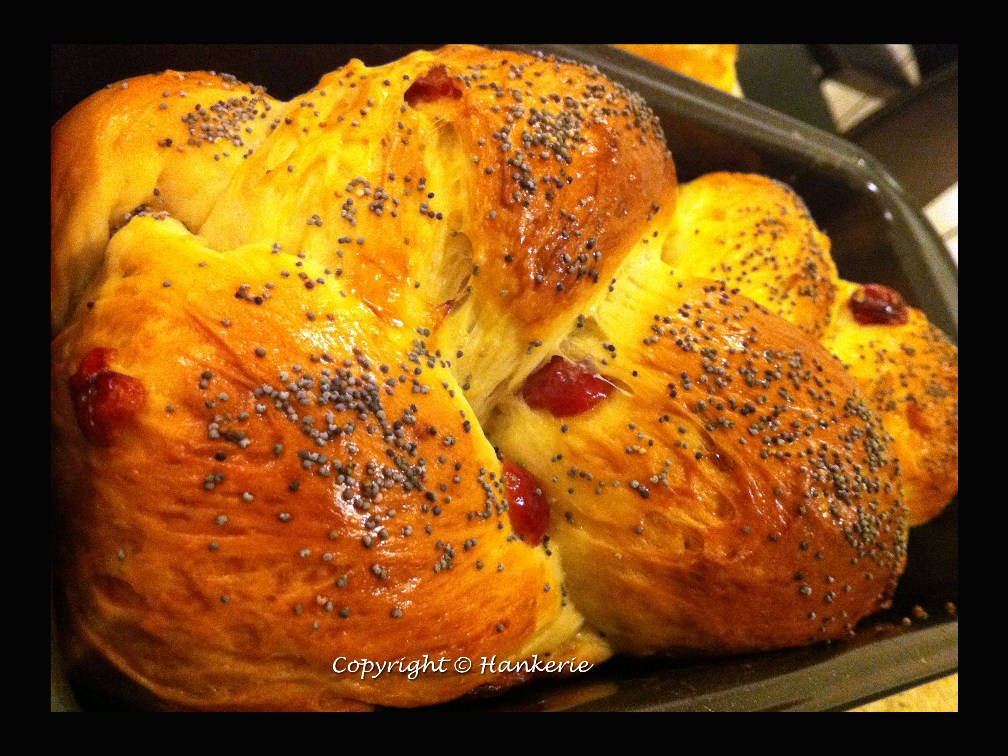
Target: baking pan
878	234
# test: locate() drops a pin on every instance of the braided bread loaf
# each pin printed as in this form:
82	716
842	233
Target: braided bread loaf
439	361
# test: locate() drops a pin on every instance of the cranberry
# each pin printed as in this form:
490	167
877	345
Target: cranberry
875	304
432	86
104	400
565	388
528	507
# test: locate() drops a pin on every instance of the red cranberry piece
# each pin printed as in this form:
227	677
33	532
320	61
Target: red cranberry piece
565	388
431	87
104	400
528	507
875	304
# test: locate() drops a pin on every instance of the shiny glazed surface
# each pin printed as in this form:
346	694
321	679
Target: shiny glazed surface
452	302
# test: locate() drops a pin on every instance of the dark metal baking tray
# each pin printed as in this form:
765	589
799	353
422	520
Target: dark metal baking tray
878	234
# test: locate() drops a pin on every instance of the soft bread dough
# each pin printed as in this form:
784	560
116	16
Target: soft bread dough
291	343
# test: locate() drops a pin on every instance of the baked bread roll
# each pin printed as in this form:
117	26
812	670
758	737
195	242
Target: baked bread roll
713	64
909	374
181	138
756	234
352	376
733	492
302	502
249	351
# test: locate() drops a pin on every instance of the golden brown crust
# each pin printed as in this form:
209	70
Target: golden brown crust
735	494
181	136
492	185
756	234
312	494
311	256
289	347
909	373
712	64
